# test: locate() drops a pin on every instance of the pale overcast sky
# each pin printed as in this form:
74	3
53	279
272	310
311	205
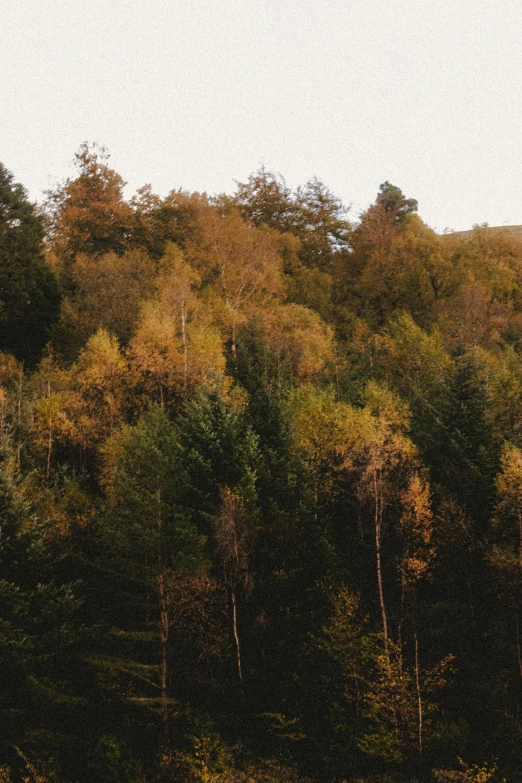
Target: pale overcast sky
198	93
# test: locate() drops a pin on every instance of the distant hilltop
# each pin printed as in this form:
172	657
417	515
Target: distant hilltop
512	230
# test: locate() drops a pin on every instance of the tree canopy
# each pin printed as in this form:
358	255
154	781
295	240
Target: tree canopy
260	488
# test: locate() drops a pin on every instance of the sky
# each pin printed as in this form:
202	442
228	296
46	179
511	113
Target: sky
198	94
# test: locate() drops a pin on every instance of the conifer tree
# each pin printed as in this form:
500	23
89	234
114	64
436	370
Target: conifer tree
29	295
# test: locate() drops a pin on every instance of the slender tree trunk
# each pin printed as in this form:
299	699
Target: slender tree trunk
236	634
517	637
401	617
19	447
417	684
234	349
50	440
520	538
381	591
163	625
234	607
378	537
185	348
164	638
231	309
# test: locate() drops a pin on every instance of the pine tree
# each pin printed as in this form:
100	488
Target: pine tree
29	296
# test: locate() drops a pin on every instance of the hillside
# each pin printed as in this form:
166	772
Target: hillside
260	488
515	231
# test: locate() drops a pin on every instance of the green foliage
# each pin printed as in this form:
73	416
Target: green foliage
112	762
312	288
29	296
461	450
222	449
147	519
41	629
391	199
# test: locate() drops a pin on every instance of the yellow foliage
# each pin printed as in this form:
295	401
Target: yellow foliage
83	404
474	773
317	422
416	526
173	349
298	334
509	480
240	263
101	366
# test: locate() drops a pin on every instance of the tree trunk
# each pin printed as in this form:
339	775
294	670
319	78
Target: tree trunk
236	635
163	625
50	440
378	537
417	684
19	446
520	538
164	637
234	348
517	637
234	604
185	348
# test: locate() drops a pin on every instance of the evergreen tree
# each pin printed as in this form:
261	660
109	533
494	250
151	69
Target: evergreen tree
44	681
149	531
29	296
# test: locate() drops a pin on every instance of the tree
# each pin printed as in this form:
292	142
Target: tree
321	224
372	239
393	202
411	273
313	214
242	265
321	431
509	489
231	534
266	200
369	444
222	449
459	445
92	303
175	347
392	704
160	221
299	338
97	392
29	295
147	523
42	637
505	553
378	450
415	527
88	214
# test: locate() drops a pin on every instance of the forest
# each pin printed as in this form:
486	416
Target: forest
260	488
